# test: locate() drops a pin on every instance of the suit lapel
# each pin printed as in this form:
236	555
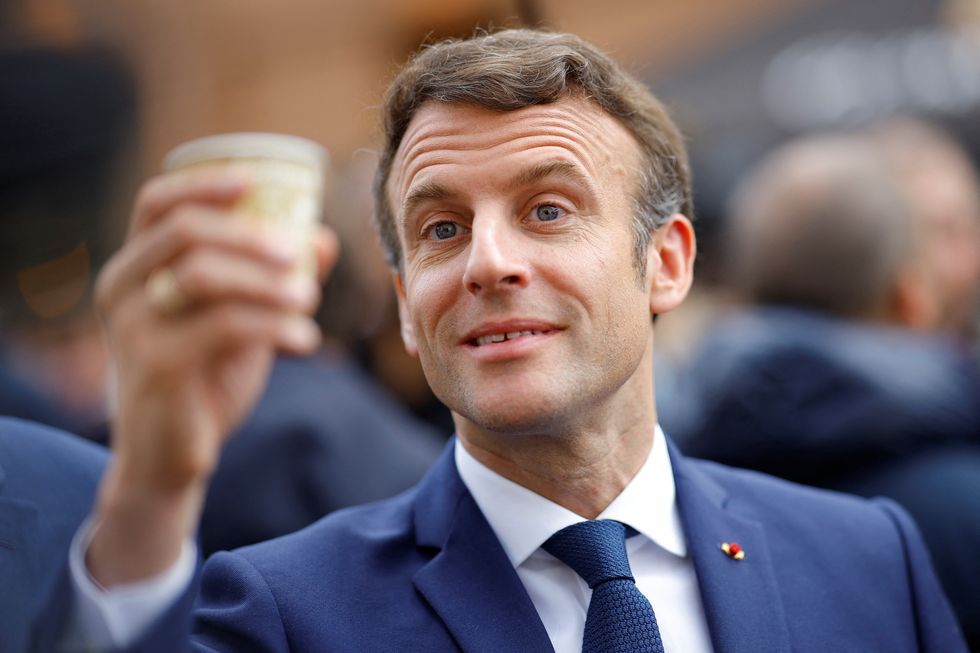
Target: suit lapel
470	583
474	590
741	597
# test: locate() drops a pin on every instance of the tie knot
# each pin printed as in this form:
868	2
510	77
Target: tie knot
595	549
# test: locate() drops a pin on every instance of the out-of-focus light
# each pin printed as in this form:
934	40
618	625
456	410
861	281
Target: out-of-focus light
846	78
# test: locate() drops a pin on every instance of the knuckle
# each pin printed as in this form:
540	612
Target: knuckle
246	325
148	195
195	276
182	226
152	196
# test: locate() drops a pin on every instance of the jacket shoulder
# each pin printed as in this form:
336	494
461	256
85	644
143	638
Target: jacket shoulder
770	493
368	544
347	575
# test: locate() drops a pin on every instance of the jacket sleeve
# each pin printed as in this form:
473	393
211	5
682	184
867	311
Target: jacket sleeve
234	611
51	629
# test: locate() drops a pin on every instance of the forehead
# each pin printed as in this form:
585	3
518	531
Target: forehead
446	139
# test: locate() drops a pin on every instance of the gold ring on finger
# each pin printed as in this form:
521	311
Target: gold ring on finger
164	293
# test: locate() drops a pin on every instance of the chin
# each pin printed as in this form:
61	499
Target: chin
521	415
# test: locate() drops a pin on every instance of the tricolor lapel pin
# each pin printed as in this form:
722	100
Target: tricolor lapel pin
733	550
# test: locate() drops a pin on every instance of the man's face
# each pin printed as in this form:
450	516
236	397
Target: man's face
519	291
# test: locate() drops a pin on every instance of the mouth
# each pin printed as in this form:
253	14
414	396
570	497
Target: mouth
492	338
509	333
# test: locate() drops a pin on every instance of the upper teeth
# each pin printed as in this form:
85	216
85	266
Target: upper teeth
500	337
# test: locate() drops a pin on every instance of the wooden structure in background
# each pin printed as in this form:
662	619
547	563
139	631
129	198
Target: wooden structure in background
318	69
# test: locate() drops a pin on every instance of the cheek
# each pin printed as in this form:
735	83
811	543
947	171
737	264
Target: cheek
429	298
598	279
605	261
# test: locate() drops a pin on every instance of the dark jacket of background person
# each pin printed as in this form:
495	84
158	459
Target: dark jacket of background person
867	409
47	484
323	436
812	398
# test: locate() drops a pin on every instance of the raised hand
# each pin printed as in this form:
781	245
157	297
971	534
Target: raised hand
196	304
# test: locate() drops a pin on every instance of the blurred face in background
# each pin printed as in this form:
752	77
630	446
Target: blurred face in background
946	196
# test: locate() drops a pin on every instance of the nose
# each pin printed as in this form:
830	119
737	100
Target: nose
496	259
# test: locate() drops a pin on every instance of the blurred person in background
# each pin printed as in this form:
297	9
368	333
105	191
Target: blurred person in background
841	371
943	189
66	123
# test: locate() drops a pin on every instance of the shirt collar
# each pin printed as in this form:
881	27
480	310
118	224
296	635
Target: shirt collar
524	520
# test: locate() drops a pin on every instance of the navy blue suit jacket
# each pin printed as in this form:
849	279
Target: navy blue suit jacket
47	483
424	572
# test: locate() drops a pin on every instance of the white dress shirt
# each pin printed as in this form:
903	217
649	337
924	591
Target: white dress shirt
664	573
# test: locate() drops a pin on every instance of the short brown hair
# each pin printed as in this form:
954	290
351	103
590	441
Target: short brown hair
517	68
820	224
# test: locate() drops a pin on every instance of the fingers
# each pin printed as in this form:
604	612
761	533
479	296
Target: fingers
160	195
168	348
222	265
230	326
207	276
190	230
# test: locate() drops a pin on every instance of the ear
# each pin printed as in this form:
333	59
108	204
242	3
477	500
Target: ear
670	263
408	333
913	304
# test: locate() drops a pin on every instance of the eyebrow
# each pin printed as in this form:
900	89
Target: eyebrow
429	191
556	168
424	192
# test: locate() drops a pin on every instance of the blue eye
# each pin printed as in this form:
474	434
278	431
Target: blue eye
444	230
547	212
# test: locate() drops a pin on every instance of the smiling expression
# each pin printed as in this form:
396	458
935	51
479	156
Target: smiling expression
519	291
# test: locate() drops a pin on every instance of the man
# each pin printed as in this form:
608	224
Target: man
533	200
47	483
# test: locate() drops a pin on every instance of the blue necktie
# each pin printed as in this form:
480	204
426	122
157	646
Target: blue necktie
620	619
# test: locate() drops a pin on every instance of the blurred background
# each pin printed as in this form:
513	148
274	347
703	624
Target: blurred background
93	93
738	75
